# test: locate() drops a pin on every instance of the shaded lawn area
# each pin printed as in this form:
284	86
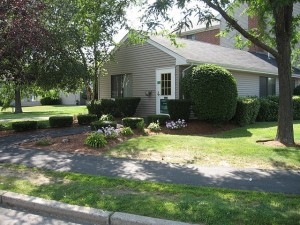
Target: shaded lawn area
236	148
168	201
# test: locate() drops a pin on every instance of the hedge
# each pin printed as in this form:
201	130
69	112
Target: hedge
179	109
24	126
60	121
132	122
246	110
86	119
162	119
50	101
128	105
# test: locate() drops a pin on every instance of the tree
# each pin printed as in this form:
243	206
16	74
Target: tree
277	34
88	28
29	53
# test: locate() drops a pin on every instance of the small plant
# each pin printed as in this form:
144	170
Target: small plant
155	127
107	117
109	132
95	140
126	131
44	141
175	125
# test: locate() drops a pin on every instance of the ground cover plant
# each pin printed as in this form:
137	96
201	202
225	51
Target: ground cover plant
168	201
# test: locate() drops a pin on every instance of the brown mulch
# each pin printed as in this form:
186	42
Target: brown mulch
75	143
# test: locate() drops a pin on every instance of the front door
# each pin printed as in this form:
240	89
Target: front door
165	89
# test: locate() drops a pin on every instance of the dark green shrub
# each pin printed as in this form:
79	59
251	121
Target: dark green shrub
50	101
101	124
268	110
60	121
185	85
296	107
43	124
132	122
179	109
297	90
24	126
109	106
214	93
273	98
128	105
247	109
95	107
161	118
95	140
86	119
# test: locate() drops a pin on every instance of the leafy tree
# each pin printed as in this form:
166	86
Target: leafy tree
87	27
277	34
30	54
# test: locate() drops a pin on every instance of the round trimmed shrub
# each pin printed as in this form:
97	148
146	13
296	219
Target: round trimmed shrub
24	126
214	93
132	122
60	121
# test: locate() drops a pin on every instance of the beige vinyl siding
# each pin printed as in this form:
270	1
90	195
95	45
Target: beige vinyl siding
247	84
141	61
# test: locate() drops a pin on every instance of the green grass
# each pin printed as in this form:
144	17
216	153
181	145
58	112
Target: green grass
41	113
168	201
237	148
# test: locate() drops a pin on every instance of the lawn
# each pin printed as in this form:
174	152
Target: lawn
41	112
168	201
236	148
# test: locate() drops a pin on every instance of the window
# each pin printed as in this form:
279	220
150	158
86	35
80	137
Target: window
267	86
166	84
121	86
191	37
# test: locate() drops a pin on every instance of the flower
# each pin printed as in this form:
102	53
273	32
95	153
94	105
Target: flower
109	132
176	125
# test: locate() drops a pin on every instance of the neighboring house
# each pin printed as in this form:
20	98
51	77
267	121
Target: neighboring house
153	71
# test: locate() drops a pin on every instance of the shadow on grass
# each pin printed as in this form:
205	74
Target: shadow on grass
286	154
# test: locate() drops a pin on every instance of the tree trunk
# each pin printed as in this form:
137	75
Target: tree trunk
18	105
283	29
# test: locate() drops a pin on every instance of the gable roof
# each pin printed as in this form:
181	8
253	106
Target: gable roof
196	52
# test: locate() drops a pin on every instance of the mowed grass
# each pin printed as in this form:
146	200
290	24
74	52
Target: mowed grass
174	202
41	112
236	148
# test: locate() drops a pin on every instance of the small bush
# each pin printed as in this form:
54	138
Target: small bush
179	109
126	131
128	105
86	119
297	90
95	140
214	93
155	127
95	107
50	101
296	107
43	124
60	121
109	106
46	141
107	117
132	122
162	119
102	124
268	110
246	110
24	126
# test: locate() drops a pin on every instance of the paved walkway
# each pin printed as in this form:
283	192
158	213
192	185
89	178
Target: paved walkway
284	181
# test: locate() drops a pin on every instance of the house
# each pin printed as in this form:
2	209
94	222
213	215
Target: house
153	70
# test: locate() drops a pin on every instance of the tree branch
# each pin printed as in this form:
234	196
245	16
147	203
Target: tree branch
241	30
